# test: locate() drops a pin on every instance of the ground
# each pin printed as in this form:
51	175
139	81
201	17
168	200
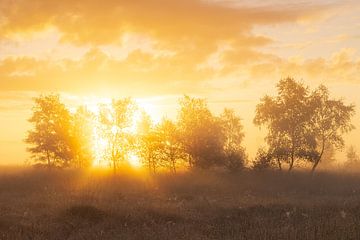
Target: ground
63	204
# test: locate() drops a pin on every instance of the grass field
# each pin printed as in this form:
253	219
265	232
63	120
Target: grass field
39	204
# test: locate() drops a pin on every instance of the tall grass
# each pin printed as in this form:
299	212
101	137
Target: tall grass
40	204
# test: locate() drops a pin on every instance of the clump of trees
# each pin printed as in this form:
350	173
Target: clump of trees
197	139
301	124
304	126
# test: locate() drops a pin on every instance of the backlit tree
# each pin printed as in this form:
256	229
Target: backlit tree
117	121
50	139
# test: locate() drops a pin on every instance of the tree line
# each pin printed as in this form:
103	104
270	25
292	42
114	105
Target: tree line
301	125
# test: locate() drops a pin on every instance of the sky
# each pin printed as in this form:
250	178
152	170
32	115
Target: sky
230	52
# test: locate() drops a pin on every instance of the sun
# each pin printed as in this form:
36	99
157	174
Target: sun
101	144
134	160
151	109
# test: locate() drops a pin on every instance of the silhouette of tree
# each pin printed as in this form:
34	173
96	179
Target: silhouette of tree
233	151
50	139
330	120
286	117
200	133
263	160
279	149
82	136
149	144
117	121
171	149
352	159
301	124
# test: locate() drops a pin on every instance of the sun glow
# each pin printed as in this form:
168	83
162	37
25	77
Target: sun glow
101	143
151	109
134	160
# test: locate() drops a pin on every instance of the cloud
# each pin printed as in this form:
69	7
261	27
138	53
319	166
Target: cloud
181	55
342	67
139	72
104	22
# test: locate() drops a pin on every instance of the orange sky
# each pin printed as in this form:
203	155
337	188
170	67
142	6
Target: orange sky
231	52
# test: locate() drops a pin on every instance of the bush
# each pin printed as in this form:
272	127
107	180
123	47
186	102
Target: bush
263	160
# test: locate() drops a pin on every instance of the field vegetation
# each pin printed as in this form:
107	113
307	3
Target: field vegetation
73	204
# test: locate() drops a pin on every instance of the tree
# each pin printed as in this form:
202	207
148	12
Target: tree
263	160
286	117
279	149
353	158
330	120
200	133
233	151
82	136
117	121
149	144
50	139
171	149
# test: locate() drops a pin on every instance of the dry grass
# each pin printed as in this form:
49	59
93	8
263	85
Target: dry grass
37	204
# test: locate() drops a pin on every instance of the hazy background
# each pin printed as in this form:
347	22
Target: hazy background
230	52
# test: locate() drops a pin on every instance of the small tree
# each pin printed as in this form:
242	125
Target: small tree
330	120
117	121
50	139
233	151
171	149
200	133
286	116
263	160
352	158
149	144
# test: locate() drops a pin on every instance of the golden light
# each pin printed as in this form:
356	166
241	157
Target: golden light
100	143
151	109
134	160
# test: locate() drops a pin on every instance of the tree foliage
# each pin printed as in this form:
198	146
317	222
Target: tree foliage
50	138
303	126
116	123
234	155
301	123
200	133
331	118
82	137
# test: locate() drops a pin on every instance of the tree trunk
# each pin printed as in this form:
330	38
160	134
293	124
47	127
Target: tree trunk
292	152
114	166
173	166
190	161
48	159
279	164
291	162
317	161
